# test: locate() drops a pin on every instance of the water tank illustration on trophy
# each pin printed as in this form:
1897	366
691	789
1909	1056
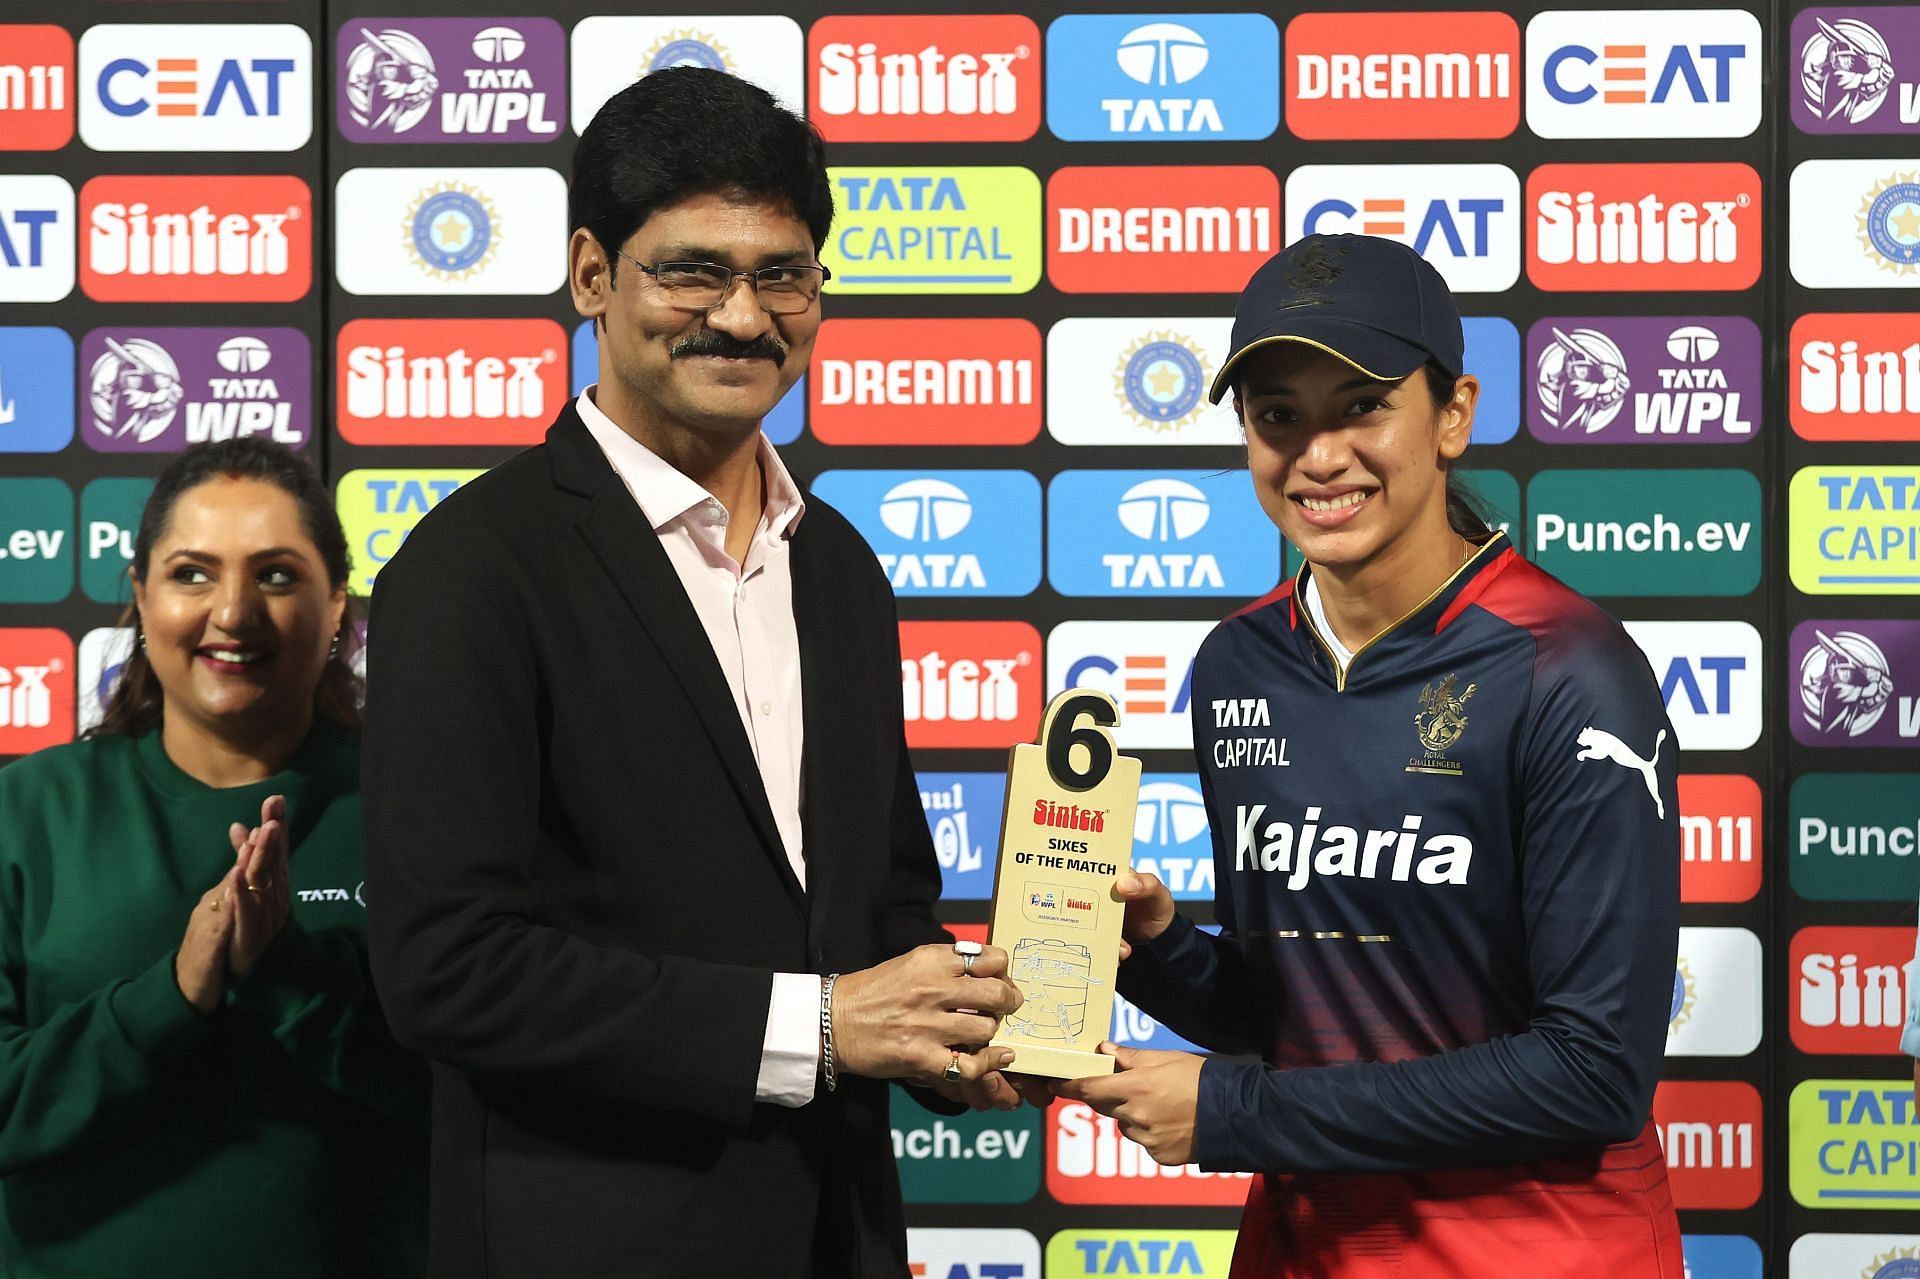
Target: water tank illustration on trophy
1054	976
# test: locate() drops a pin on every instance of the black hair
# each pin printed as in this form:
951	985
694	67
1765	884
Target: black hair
1464	515
687	131
134	705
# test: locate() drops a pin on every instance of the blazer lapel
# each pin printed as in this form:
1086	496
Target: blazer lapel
630	551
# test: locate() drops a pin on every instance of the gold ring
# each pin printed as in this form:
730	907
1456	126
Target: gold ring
253	888
952	1073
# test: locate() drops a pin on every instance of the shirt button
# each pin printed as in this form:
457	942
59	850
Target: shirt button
766	708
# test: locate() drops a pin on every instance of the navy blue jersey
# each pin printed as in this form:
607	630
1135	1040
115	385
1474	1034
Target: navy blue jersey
1448	888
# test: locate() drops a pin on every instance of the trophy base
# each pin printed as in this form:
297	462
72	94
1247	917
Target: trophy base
1054	1063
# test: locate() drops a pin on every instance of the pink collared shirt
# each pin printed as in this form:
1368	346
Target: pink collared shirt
746	610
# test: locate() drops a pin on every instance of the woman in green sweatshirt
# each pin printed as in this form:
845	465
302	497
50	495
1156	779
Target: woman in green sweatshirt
195	1078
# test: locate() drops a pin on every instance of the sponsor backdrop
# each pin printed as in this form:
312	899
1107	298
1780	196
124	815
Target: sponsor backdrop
1683	238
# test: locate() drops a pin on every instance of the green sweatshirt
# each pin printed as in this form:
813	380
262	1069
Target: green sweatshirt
285	1135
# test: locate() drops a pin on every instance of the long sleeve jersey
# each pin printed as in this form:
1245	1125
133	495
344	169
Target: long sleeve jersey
1449	902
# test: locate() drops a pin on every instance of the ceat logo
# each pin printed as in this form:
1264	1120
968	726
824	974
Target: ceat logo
1147	667
1089	1162
156	390
449	381
1109	232
1849	988
1709	674
1720	835
1638	73
452	79
1855	377
36	237
925	78
1463	218
36	688
1857	70
926	382
1710	1134
203	86
972	1254
969	684
1402	75
202	238
1665	227
36	87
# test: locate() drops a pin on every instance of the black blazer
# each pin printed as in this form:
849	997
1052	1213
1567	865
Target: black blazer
577	896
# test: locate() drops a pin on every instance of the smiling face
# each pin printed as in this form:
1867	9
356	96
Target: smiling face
719	370
236	609
1351	469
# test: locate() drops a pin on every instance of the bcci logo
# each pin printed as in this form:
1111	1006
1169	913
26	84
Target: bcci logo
1901	1263
451	230
1845	71
1844	683
1581	381
1160	380
685	49
134	390
1889	222
391	81
1440	723
1680	1011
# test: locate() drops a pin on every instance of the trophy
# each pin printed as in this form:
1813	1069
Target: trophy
1068	835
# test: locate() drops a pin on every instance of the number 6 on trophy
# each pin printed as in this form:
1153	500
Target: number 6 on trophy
1068	836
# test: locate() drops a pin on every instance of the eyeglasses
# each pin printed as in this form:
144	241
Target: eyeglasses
701	286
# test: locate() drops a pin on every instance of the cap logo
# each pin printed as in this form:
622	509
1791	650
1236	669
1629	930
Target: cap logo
1315	267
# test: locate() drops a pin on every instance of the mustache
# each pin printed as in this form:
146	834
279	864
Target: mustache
713	342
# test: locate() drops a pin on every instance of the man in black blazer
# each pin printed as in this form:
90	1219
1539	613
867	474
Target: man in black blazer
635	774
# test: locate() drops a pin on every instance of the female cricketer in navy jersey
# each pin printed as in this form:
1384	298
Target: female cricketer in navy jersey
1442	792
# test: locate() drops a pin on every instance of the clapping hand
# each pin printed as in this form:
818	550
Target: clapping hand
260	897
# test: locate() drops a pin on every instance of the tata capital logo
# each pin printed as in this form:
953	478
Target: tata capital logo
1685	380
36	237
200	238
203	86
1198	77
1639	73
1710	1135
969	684
1463	218
931	533
918	78
1854	681
1160	533
1709	677
1402	75
164	389
378	508
1611	227
1849	988
1855	70
482	80
449	381
1854	530
912	381
36	87
1197	1254
1147	667
1851	1144
1172	229
925	230
36	688
1857	377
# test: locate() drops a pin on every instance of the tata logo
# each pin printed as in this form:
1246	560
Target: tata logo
1709	677
449	381
378	508
1607	379
1463	218
914	78
1720	834
1090	1162
1728	1257
1146	666
1402	75
1855	682
906	381
1638	73
476	231
1613	227
1855	377
1195	1254
1854	530
609	53
1851	1144
969	684
1196	77
36	688
1715	1008
36	389
203	86
1850	985
958	230
230	238
36	87
964	812
36	237
451	79
1170	836
1710	1135
932	531
1200	229
972	1254
1856	70
1138	381
1158	533
162	389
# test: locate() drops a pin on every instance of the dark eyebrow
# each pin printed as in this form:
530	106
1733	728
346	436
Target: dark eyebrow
204	557
706	253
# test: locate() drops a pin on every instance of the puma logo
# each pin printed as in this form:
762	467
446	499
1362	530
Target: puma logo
1598	743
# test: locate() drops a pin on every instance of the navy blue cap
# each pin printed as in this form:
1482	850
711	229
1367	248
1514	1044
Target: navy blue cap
1372	302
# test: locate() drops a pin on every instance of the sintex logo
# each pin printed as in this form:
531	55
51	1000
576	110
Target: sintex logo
1666	227
36	688
1403	75
969	684
449	381
1632	532
901	381
201	238
925	78
1849	988
1172	229
1089	1162
1710	1134
1856	377
36	87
